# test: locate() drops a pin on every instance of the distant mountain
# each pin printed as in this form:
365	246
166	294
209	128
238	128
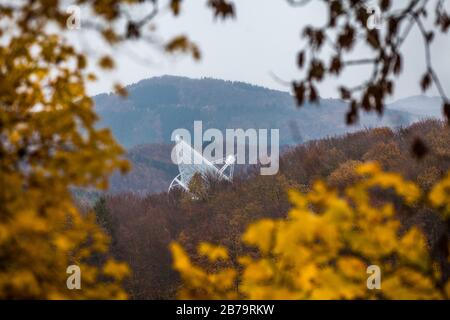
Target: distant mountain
144	121
420	106
157	106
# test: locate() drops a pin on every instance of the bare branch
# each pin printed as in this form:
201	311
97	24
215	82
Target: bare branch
427	39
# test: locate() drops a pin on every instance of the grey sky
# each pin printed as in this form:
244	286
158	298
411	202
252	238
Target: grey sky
264	39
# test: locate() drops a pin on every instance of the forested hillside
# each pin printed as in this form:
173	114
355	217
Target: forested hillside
155	107
142	227
152	170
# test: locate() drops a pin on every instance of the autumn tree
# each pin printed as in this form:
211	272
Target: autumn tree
345	174
327	246
198	187
49	143
386	154
104	217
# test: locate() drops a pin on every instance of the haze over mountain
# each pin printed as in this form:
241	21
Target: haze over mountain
144	121
157	106
420	106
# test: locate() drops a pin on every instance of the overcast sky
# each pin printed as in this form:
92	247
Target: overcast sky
263	40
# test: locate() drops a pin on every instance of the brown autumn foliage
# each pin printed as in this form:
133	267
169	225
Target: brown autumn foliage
145	225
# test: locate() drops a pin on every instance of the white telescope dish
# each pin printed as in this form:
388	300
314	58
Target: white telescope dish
190	162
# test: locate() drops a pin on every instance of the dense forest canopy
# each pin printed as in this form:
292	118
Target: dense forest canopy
148	224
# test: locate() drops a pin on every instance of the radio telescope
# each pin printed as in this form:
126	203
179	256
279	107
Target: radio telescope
190	162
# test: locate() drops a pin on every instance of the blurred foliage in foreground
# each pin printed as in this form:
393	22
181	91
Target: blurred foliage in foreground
48	143
324	246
